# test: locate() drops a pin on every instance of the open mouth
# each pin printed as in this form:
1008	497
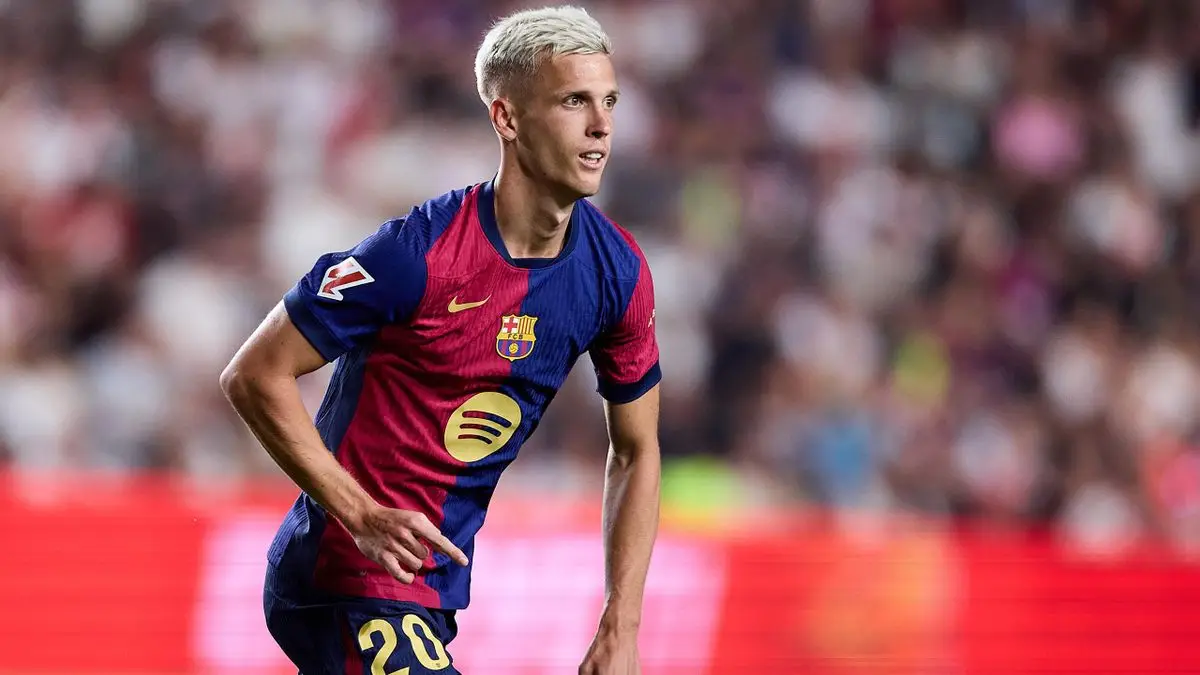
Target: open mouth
592	159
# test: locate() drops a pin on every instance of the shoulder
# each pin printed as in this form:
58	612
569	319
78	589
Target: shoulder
439	212
613	250
421	227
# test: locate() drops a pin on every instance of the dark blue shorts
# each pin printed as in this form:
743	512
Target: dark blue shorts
331	635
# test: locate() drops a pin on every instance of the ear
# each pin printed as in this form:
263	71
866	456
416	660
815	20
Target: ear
504	119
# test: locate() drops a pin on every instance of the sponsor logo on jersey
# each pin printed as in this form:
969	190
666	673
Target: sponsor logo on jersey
481	426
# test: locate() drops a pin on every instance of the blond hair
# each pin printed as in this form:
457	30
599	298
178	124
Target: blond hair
519	43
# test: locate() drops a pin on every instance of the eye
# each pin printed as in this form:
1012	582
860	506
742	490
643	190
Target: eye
610	102
574	100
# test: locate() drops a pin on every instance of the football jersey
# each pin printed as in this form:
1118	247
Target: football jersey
447	353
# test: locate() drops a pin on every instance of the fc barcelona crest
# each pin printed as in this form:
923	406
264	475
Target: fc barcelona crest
516	338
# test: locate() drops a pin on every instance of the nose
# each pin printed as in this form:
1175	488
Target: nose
600	125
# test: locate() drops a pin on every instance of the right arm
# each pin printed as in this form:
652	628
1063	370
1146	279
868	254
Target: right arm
330	311
260	383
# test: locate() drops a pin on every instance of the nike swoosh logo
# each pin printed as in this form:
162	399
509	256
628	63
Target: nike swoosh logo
455	307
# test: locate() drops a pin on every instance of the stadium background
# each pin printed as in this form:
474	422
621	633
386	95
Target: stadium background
928	277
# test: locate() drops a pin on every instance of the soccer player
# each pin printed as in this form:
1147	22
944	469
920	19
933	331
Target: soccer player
452	328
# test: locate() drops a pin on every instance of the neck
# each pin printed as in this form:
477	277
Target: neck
532	221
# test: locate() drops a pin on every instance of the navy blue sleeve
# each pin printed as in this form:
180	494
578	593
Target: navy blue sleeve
349	296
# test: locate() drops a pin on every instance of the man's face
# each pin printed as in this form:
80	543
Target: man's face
564	123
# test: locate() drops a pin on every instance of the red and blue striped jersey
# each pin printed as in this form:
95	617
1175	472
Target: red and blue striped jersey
447	353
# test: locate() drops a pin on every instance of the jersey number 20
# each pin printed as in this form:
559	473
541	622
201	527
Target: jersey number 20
410	624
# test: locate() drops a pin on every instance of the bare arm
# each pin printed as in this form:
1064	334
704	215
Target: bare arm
260	383
631	504
631	507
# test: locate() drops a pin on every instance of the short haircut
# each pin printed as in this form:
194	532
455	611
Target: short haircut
519	43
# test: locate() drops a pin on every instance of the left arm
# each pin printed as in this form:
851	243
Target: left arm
630	522
628	373
631	505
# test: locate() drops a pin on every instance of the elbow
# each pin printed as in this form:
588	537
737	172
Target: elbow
235	382
634	454
246	382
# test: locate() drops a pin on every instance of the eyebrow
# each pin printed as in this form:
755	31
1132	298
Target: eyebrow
615	93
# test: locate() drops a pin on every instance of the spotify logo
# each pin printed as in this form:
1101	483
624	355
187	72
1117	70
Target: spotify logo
481	426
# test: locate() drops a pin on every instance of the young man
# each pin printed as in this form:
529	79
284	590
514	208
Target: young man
452	328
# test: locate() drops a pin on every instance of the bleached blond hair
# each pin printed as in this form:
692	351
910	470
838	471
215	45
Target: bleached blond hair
519	43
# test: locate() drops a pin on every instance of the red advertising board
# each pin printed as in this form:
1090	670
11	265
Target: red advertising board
146	576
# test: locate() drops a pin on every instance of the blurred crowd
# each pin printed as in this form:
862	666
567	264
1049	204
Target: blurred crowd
932	256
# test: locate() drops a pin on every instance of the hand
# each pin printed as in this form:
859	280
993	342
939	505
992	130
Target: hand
610	654
393	538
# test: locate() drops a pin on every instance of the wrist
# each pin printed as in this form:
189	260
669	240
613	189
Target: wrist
355	514
615	623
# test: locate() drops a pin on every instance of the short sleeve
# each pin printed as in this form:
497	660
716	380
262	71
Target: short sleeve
349	296
626	356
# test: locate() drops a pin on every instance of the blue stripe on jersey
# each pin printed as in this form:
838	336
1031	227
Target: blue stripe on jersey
341	398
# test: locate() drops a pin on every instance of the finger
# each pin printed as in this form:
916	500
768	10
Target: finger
413	545
393	567
439	541
406	558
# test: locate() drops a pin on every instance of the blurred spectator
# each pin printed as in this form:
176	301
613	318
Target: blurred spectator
934	256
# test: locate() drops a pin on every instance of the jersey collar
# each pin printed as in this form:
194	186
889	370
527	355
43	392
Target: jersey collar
486	207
